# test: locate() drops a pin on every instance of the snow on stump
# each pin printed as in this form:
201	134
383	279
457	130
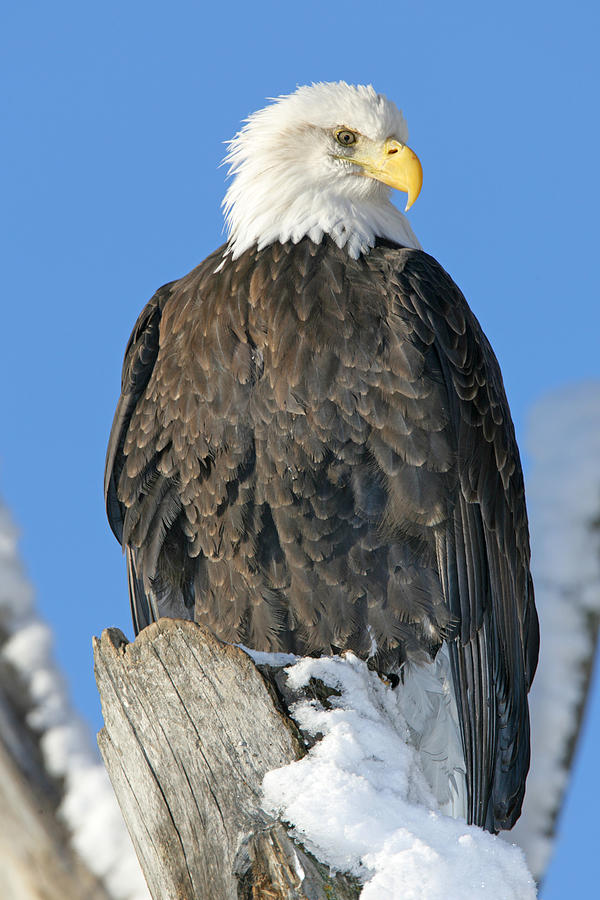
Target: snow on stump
208	765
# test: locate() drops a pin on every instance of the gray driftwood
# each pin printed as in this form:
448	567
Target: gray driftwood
191	728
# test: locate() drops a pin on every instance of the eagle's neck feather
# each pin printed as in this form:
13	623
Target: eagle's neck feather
265	204
353	227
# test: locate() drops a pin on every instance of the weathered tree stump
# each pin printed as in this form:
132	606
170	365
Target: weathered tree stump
191	728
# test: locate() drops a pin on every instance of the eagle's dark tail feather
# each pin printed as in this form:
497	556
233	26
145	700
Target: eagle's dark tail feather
142	610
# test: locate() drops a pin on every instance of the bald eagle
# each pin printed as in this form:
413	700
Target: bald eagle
313	451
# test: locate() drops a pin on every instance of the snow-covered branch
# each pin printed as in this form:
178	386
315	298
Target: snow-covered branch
87	805
563	492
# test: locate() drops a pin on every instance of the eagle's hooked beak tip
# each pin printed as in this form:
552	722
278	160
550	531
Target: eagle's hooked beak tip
402	170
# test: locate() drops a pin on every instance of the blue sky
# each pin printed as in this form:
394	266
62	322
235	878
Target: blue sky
115	118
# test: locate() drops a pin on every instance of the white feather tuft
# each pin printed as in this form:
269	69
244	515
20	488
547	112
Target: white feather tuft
427	702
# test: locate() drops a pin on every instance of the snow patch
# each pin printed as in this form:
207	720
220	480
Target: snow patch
360	802
261	658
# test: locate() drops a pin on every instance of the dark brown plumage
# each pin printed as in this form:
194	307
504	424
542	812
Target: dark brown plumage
311	451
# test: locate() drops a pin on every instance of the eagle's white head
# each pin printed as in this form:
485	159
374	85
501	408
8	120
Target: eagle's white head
321	161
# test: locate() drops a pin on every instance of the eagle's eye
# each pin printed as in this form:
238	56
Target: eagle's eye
345	137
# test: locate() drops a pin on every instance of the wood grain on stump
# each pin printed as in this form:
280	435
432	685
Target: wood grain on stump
191	728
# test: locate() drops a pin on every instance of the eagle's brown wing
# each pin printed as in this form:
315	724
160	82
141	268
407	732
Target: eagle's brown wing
483	548
140	357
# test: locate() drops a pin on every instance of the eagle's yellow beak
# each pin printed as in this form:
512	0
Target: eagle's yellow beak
394	164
